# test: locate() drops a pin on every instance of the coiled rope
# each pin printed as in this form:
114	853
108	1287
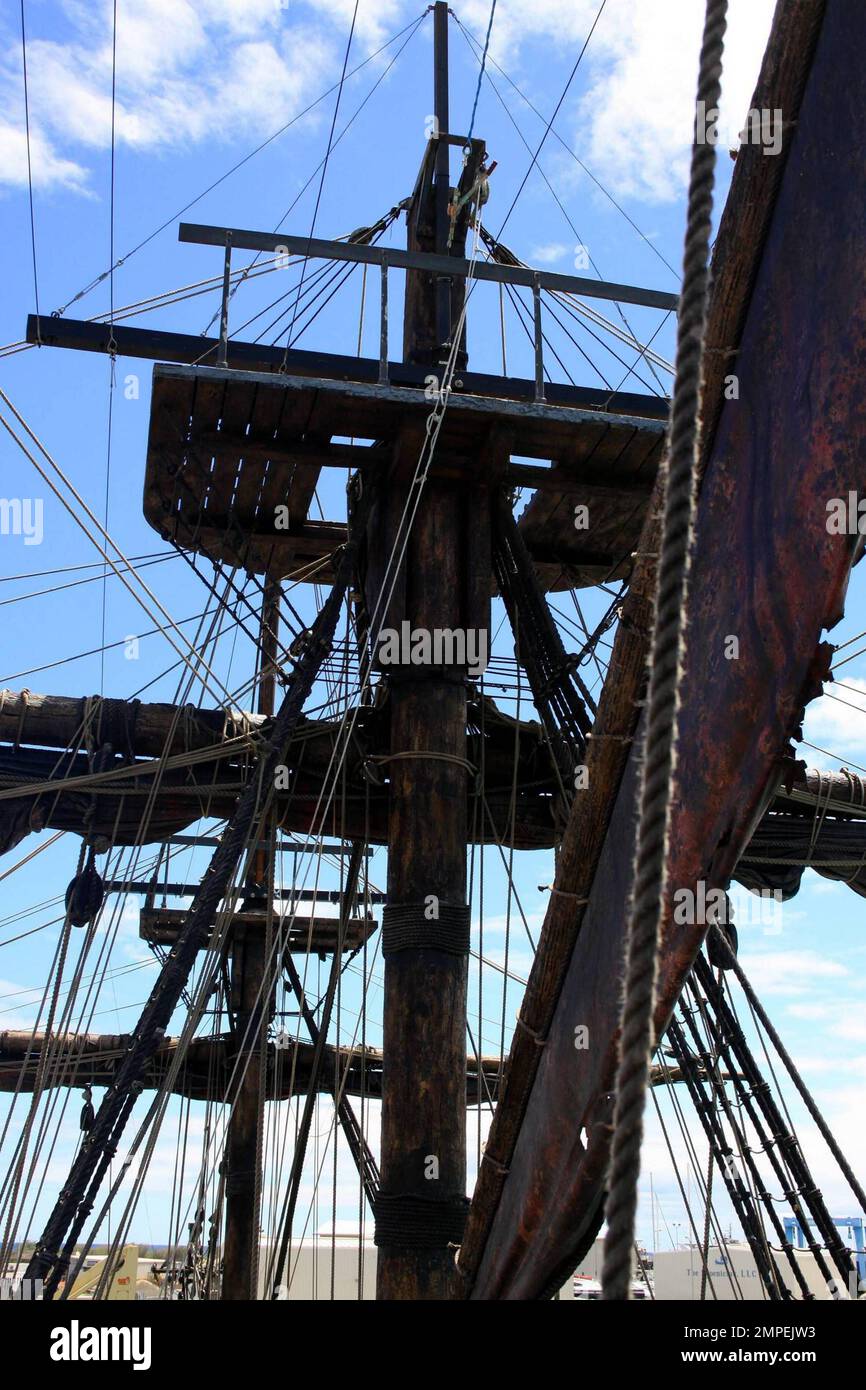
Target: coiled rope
650	875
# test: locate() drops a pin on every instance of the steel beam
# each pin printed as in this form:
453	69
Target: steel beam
316	248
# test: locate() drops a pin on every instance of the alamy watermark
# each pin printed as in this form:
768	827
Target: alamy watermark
438	646
22	516
701	906
20	1290
846	516
77	1343
763	127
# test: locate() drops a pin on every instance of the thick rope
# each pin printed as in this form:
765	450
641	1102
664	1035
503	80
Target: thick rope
658	764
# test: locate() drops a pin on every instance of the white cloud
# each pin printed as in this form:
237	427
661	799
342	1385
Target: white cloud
635	122
837	720
18	1006
789	972
519	23
633	125
821	1065
216	70
498	923
811	1013
49	168
549	254
221	69
376	21
842	1017
822	886
519	963
852	1027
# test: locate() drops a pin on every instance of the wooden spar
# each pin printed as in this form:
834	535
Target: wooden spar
88	335
162	730
251	1002
141	730
30	723
249	961
767	571
187	797
51	722
91	1058
423	1155
189	493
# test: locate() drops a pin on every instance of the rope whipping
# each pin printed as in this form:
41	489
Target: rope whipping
667	651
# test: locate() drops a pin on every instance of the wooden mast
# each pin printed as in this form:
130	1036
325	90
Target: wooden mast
442	586
250	958
423	1156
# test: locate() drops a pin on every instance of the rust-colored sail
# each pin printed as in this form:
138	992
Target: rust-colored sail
788	318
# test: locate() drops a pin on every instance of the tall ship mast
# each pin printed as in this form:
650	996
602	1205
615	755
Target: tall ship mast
420	702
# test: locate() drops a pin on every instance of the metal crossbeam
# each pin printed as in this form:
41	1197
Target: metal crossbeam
317	248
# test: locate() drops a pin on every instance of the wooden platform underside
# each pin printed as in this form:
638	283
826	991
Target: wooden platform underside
227	448
316	935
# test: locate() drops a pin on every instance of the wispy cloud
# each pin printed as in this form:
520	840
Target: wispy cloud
187	72
837	721
550	253
49	168
790	972
195	70
633	123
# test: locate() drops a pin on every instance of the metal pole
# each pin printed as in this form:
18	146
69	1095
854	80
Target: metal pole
539	340
383	329
442	168
222	355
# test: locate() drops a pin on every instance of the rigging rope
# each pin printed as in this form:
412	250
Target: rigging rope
192	655
74	1203
549	125
98	976
663	697
122	260
474	43
201	644
325	163
559	694
481	71
788	1062
29	168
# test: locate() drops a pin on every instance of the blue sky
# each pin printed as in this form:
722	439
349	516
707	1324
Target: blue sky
199	86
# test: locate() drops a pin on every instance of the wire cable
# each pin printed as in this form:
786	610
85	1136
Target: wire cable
29	165
549	125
